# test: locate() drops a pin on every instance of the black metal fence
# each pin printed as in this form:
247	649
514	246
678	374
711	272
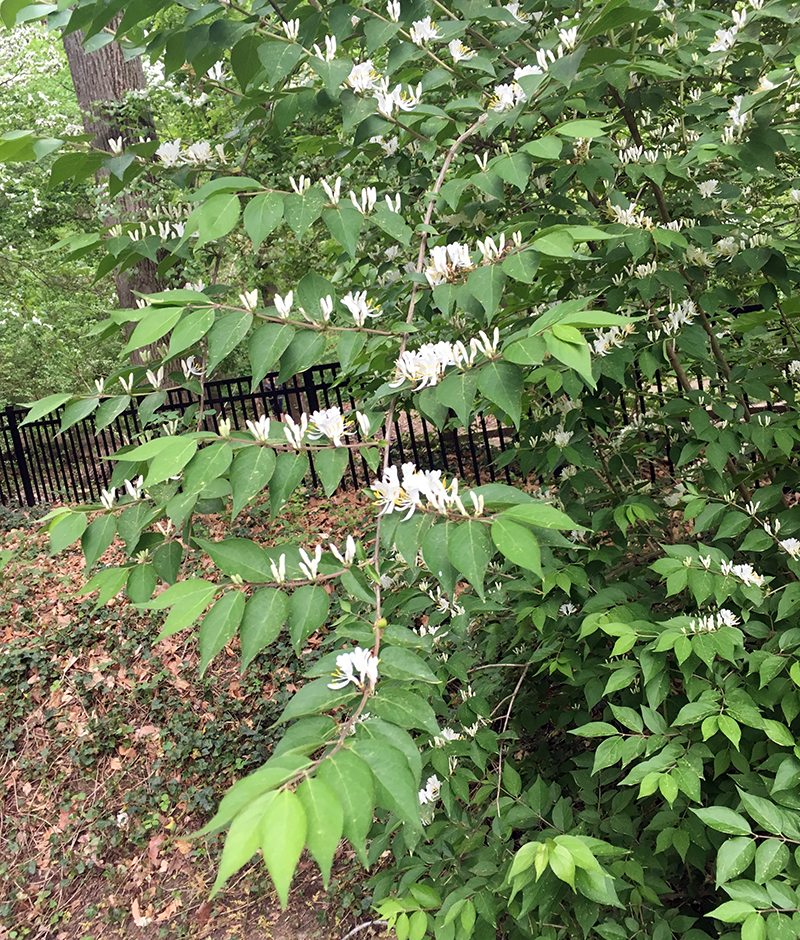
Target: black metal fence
39	465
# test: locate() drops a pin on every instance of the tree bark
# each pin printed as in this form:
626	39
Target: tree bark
99	77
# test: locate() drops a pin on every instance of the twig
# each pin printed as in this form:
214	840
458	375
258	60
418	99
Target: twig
505	725
369	923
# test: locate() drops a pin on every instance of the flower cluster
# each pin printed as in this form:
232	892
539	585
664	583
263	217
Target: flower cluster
711	622
744	573
431	792
613	338
170	153
405	490
358	666
329	423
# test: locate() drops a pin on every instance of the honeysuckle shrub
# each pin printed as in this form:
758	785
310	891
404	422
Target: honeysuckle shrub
565	705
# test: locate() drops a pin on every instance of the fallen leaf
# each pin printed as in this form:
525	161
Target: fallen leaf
203	914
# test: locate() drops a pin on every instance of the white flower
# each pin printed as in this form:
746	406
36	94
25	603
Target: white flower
708	188
283	304
569	37
726	618
459	51
724	40
115	145
394	205
739	18
698	257
477	502
127	384
326	307
291	28
329	423
249	299
279	570
224	427
134	489
259	429
330	49
506	97
748	575
122	820
155	378
369	197
107	497
349	552
301	186
333	194
310	565
408	100
363	77
514	10
792	546
169	153
447	735
562	438
425	366
566	609
360	307
431	792
491	251
393	494
295	432
357	667
393	9
200	152
423	30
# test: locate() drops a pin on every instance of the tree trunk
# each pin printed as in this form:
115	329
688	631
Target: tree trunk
105	76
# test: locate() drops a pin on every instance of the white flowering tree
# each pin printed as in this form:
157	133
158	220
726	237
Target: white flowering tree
563	706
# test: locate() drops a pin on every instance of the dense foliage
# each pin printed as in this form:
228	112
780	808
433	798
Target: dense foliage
567	706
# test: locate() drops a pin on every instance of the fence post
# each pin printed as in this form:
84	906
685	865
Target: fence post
19	456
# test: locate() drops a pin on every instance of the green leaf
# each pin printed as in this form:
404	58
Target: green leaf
213	219
486	285
158	322
399	663
225	336
290	469
325	822
501	383
434	553
330	465
170	460
282	835
562	865
514	169
789	602
304	351
252	470
724	819
239	556
732	912
265	347
167	561
302	211
344	224
206	465
348	347
66	529
314	698
754	927
352	781
522	266
279	58
97	538
573	355
188	600
542	515
403	708
190	330
581	127
772	857
243	839
261	216
141	583
244	792
457	391
390	767
529	351
76	412
470	551
517	543
264	615
109	582
392	223
109	409
308	611
219	626
733	857
765	812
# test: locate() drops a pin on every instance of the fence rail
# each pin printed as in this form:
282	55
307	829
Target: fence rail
40	465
